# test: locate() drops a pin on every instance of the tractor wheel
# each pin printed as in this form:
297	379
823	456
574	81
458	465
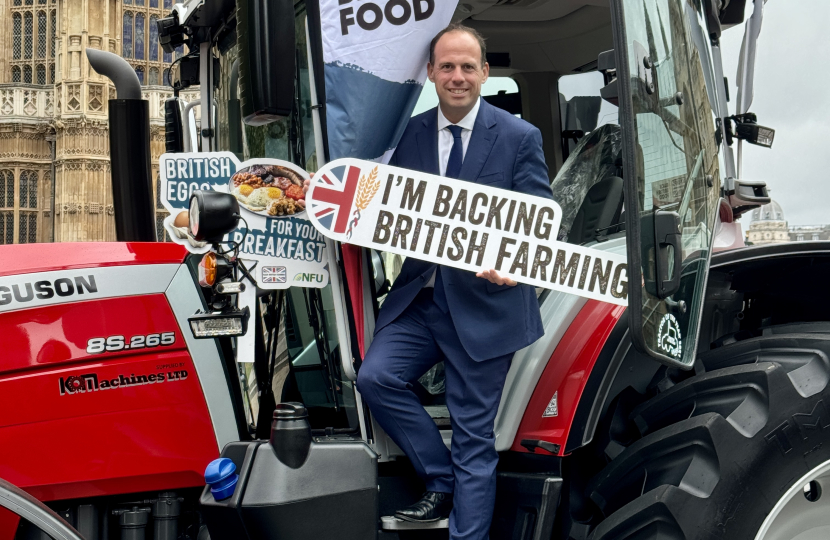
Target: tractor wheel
740	451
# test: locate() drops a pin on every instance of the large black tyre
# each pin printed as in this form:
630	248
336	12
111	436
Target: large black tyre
721	449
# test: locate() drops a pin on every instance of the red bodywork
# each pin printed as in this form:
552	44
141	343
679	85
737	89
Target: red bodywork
567	373
59	442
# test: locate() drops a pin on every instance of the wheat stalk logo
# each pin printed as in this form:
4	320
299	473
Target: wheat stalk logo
367	187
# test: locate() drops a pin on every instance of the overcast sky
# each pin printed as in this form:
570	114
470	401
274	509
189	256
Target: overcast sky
792	96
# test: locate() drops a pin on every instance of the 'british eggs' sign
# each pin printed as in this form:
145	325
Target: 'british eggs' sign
275	230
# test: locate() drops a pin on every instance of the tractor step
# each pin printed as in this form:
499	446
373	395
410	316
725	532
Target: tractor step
391	523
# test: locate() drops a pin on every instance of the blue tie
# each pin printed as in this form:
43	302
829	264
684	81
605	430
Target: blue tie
453	169
456	153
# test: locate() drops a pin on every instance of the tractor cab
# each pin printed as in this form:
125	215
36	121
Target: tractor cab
630	101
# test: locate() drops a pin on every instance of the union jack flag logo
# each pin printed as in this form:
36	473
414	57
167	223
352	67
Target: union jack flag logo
334	195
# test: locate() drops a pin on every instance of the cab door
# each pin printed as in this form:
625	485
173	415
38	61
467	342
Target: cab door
671	167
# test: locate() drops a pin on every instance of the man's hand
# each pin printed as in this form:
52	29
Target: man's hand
307	183
493	277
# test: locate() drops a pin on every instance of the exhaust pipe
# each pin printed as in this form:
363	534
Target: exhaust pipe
132	182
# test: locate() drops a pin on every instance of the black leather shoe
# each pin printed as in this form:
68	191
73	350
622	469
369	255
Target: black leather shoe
433	506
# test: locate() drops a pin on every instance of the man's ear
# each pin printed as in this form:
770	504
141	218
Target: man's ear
430	72
486	71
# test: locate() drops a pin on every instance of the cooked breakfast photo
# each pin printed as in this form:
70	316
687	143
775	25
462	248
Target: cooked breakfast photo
269	190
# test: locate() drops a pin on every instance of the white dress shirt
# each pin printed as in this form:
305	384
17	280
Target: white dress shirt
445	142
445	139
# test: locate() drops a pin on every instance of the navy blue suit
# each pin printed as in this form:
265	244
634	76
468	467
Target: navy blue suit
476	339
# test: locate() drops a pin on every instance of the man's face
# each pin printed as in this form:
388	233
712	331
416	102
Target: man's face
457	74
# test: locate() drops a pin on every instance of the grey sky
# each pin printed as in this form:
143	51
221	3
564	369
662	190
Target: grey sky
792	96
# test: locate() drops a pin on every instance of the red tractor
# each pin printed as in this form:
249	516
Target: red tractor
697	412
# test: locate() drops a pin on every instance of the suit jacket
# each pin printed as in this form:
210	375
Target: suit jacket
504	152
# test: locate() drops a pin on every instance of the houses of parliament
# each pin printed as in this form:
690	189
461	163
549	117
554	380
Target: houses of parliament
54	141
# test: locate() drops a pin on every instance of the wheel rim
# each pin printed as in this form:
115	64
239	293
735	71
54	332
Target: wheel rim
803	513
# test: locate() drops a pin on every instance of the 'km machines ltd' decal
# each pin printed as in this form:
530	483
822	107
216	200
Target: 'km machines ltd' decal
93	382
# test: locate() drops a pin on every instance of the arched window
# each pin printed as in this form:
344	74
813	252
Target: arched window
168	4
27	35
128	2
27	74
139	2
41	74
166	77
6	189
52	32
28	228
168	57
18	2
17	32
139	71
28	189
127	40
154	38
7	201
154	77
52	73
154	4
16	74
139	36
28	2
41	34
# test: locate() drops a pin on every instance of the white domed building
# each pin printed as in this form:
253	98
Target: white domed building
768	226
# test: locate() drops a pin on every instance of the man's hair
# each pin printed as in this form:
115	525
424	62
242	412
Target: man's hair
458	27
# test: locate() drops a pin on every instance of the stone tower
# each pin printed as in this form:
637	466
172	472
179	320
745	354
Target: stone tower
54	147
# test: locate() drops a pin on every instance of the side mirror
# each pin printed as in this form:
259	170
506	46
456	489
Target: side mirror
379	273
212	215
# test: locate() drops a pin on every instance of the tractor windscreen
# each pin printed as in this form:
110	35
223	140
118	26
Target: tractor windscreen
671	149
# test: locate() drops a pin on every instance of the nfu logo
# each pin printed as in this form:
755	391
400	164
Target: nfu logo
370	15
310	278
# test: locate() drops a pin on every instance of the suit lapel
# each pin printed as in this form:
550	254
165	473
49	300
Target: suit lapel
428	143
481	142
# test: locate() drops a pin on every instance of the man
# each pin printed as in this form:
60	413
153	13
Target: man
473	322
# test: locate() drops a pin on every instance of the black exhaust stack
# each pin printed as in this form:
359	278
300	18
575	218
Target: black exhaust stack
132	182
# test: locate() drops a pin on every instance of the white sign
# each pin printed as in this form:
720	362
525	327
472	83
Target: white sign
375	54
289	252
459	224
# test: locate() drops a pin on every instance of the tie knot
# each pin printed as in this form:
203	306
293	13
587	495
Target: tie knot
455	130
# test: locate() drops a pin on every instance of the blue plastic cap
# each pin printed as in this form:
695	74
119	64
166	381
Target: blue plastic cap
221	476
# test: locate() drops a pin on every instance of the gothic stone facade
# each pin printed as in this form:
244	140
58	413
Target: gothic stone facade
54	145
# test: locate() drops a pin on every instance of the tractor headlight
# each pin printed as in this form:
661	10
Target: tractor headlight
220	323
212	215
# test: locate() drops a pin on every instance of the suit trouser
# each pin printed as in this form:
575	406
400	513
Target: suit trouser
401	352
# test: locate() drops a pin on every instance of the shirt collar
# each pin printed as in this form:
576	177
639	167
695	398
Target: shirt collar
466	123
